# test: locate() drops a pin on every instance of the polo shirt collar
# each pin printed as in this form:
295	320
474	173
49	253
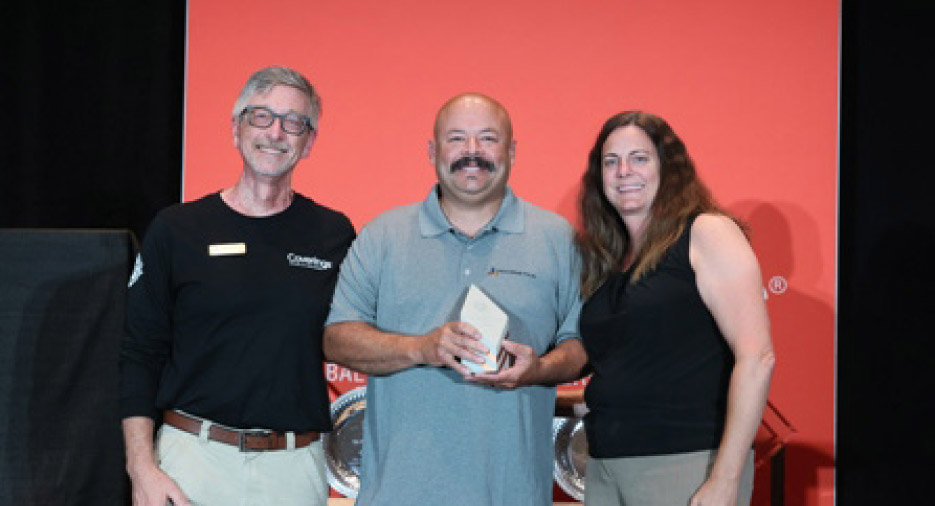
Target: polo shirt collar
432	220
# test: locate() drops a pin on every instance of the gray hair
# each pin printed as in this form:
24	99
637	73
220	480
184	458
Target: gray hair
265	79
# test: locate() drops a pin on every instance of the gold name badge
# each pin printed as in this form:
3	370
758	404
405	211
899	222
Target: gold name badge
227	249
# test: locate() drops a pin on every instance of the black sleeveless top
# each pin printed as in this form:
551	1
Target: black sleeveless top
661	366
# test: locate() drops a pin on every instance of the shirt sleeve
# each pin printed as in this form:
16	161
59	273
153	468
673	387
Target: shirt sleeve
569	289
148	334
355	297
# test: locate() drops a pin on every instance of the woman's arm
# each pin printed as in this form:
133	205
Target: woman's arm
728	278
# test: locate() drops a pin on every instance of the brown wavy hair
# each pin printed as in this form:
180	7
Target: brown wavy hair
604	241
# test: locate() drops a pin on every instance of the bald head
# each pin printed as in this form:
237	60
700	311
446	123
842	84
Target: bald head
473	101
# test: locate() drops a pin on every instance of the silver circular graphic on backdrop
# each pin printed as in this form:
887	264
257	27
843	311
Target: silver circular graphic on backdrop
571	455
342	445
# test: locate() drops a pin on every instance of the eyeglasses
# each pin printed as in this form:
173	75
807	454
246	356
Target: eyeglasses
293	123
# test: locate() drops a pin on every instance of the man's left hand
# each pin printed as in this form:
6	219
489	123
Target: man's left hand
524	371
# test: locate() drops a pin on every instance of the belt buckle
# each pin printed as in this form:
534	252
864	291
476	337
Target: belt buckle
244	434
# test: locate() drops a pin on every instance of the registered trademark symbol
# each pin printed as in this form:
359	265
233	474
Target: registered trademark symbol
778	285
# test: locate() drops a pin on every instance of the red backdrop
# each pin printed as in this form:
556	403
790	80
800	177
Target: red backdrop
752	88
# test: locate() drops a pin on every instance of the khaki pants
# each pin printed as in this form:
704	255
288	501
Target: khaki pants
217	474
658	480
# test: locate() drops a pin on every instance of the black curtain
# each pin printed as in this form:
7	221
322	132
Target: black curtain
885	436
92	114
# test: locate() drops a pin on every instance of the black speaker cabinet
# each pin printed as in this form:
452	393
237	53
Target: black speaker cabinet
62	296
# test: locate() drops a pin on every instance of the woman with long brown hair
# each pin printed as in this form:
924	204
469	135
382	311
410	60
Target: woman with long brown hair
674	324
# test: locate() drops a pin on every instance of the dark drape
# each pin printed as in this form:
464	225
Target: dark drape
92	112
885	437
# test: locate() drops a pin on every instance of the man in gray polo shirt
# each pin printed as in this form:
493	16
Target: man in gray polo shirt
434	434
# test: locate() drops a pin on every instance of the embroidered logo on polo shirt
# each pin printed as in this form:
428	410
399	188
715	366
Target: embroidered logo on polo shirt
497	272
308	262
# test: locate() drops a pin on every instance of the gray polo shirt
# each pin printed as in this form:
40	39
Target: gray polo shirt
429	436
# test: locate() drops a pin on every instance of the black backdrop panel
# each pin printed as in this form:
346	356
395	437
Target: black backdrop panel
61	320
92	115
885	435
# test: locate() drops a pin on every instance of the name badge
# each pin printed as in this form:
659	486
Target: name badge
227	249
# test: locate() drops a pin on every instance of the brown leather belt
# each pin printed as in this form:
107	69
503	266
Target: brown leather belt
245	440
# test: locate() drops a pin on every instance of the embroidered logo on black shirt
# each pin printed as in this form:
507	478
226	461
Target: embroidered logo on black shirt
308	262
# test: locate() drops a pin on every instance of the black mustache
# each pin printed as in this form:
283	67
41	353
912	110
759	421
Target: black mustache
483	163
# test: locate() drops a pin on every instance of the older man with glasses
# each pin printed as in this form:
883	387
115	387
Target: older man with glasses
224	323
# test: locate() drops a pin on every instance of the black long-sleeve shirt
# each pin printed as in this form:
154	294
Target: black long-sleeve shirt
225	315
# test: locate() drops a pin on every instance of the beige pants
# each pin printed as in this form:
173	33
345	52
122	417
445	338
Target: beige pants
658	480
217	474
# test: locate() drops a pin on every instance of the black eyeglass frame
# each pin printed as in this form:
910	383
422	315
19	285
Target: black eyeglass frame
306	121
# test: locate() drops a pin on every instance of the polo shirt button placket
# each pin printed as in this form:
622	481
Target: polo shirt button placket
468	247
